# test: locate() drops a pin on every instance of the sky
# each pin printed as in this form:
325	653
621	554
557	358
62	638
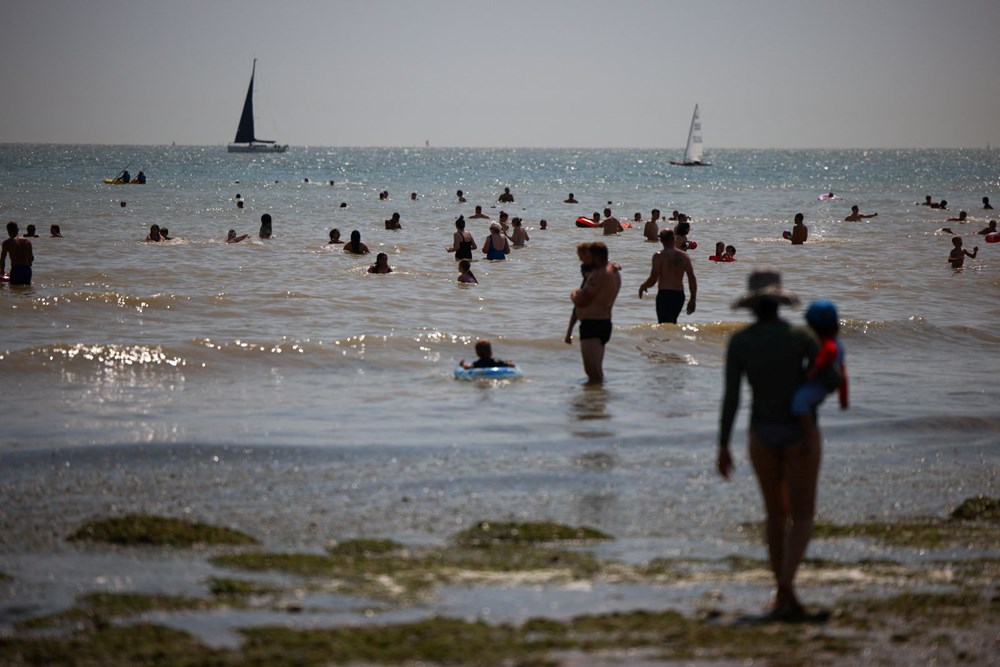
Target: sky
538	73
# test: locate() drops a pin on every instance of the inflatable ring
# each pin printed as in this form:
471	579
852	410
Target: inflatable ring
993	237
692	245
491	373
583	221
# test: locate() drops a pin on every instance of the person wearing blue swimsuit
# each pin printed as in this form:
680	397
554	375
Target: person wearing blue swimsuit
495	246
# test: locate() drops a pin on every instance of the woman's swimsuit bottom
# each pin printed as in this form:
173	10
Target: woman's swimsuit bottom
778	436
600	329
668	305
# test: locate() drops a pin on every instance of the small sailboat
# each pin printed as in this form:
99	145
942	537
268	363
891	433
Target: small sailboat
695	148
246	141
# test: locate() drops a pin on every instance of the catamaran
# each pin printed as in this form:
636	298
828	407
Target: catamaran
693	152
246	141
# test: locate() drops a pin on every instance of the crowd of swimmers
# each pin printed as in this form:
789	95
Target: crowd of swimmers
507	232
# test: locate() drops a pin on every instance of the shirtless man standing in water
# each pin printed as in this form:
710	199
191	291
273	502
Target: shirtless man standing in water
593	307
799	232
21	256
670	265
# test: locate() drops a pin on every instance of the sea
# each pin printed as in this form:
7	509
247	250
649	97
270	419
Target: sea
277	386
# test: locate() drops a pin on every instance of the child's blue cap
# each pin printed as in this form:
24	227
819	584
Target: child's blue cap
821	312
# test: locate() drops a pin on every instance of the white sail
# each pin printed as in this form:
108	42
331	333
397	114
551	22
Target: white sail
693	152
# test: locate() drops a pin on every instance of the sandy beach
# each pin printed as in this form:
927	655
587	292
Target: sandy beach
936	600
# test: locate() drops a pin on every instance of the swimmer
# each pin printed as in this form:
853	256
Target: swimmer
479	214
637	219
958	254
669	266
30	233
570	200
21	256
928	201
583	254
461	197
989	229
462	242
986	204
543	224
720	252
465	274
519	237
265	226
54	232
611	224
495	246
233	238
165	234
393	222
484	352
334	236
799	232
594	302
651	230
857	215
681	231
355	246
731	253
943	205
506	197
413	196
381	264
504	225
154	234
962	215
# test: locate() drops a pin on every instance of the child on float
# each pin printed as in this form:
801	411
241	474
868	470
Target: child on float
484	350
722	253
827	373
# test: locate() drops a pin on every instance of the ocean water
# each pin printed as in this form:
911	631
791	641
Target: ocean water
197	366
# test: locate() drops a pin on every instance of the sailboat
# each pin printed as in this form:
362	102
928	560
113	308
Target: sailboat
693	152
246	141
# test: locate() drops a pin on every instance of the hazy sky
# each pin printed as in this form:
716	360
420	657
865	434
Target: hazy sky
570	73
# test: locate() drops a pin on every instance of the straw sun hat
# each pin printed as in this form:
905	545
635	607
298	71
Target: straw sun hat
765	283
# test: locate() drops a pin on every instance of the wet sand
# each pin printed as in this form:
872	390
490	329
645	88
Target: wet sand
303	501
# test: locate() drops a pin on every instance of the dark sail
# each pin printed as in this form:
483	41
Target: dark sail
245	130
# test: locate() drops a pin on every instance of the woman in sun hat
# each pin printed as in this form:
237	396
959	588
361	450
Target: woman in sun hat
774	356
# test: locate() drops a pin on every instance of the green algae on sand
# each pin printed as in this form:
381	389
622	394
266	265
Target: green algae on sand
145	530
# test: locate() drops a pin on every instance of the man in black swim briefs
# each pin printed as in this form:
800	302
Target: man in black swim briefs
670	265
600	329
21	256
594	302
